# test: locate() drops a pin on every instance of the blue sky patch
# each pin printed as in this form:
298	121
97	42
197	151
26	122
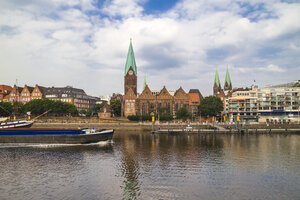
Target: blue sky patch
255	12
7	30
158	6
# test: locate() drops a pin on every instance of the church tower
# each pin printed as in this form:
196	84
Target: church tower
130	76
217	85
227	84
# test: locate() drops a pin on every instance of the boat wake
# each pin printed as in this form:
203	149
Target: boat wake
32	145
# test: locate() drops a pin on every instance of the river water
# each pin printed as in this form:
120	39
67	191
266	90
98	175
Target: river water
146	166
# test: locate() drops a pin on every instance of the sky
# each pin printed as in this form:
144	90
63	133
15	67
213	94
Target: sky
84	43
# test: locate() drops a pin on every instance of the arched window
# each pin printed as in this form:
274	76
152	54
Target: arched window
143	109
152	107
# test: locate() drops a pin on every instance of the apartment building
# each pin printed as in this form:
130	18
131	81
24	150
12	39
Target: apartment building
71	95
273	101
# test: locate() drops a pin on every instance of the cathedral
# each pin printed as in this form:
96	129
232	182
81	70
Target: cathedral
217	89
150	102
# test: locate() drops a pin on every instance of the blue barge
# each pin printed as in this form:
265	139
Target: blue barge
54	136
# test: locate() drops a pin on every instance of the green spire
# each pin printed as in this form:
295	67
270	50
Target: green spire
144	86
227	78
217	79
130	62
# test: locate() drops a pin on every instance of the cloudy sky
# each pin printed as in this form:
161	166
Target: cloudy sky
84	43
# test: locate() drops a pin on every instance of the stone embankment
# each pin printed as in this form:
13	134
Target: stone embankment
123	124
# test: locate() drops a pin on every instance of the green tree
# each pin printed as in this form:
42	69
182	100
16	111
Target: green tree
6	109
98	107
35	106
83	112
39	106
183	114
211	106
116	107
72	109
89	112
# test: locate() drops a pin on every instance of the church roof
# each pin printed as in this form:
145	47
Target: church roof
217	79
227	78
130	61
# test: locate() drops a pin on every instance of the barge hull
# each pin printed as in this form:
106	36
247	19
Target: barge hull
55	139
45	136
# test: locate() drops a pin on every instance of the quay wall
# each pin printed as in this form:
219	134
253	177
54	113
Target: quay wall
147	127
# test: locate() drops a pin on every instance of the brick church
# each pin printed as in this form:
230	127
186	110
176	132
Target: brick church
150	102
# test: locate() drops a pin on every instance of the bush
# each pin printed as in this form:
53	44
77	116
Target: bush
133	117
165	117
183	114
139	117
146	118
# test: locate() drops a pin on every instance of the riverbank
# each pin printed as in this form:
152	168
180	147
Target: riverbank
174	127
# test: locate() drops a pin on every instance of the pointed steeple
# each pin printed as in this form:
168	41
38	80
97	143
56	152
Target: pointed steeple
217	84
217	79
130	61
145	84
227	84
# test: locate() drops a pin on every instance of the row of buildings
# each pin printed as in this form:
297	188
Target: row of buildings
279	102
67	94
276	103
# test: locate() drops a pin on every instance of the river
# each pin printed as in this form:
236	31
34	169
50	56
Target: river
146	166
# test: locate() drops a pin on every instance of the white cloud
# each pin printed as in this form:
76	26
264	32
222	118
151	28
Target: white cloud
273	68
61	44
122	8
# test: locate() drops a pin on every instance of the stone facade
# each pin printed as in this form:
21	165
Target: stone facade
149	104
129	103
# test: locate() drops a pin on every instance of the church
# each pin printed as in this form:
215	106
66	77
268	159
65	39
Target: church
151	102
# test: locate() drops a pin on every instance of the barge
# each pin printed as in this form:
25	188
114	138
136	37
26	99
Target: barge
54	136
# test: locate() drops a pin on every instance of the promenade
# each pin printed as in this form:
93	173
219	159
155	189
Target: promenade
174	127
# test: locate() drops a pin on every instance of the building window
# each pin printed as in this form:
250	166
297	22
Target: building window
143	109
152	107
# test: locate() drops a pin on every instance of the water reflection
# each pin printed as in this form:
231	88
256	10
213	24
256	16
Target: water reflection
146	166
160	166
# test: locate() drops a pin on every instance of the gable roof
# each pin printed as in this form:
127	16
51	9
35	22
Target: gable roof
130	61
196	91
147	94
30	89
17	89
41	88
164	94
179	92
130	94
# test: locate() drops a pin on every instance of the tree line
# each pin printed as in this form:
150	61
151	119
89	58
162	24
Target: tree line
37	107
